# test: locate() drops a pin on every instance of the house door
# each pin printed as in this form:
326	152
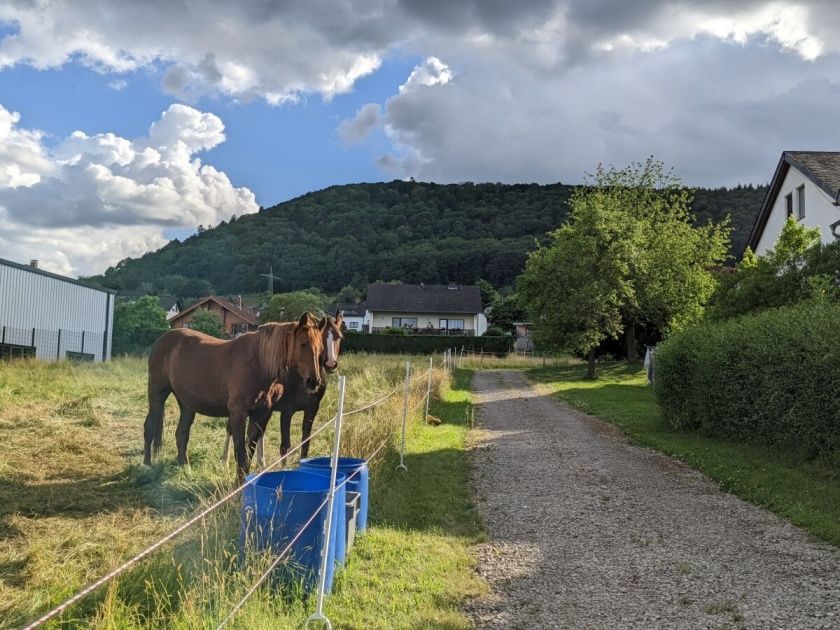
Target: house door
443	324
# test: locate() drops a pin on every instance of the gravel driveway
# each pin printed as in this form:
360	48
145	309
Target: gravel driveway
587	531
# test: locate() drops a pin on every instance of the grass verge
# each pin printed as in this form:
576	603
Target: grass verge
414	569
802	492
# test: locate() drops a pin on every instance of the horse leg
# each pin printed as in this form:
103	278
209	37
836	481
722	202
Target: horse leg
182	433
308	418
237	430
153	427
256	434
226	450
285	431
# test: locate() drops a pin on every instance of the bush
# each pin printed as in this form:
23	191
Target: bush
421	344
494	331
394	331
770	378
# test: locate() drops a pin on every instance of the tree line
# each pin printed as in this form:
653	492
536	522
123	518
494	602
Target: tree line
348	236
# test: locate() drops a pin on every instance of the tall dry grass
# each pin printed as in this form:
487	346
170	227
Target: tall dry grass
75	500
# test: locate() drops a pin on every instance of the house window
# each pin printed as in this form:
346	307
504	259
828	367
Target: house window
789	205
353	325
800	202
404	322
456	324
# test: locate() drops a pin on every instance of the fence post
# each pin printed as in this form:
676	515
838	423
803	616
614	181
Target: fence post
319	615
428	390
33	338
461	357
58	346
3	339
406	389
83	342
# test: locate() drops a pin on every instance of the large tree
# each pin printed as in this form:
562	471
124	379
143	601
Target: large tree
628	256
208	322
137	324
287	307
573	288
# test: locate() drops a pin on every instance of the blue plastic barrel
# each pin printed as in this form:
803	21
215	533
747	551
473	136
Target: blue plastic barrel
338	535
358	482
274	509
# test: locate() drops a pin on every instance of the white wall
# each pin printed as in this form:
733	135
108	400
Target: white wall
31	300
352	319
819	211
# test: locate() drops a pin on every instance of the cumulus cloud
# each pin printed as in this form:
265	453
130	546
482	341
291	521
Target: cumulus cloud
94	199
354	130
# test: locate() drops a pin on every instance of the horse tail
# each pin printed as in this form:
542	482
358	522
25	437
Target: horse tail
159	389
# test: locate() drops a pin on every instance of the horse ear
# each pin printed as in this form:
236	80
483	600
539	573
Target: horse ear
338	319
305	320
323	323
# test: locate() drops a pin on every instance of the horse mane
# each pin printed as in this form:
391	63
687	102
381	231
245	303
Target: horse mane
275	348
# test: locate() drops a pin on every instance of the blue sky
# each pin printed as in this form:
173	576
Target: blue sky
279	152
223	107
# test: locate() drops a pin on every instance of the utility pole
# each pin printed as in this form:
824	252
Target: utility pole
271	277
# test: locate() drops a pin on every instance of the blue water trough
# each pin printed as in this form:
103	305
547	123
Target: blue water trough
358	482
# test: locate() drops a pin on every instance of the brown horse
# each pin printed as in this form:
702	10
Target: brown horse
297	398
235	378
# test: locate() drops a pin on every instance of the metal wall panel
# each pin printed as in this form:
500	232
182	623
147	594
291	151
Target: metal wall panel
32	300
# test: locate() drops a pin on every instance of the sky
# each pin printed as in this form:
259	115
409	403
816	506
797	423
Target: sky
124	124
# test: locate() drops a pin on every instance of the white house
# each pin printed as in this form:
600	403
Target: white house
352	314
805	186
436	309
48	316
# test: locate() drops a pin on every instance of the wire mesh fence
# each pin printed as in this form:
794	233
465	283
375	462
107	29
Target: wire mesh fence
52	345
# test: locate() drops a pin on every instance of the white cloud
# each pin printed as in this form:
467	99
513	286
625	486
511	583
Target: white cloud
118	84
93	200
431	72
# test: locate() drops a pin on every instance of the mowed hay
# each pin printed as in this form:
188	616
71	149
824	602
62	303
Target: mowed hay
75	499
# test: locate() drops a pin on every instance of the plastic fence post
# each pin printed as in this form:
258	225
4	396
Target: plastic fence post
428	391
406	389
319	615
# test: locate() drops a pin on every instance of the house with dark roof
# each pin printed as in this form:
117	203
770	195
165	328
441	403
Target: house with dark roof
805	186
352	314
425	309
235	320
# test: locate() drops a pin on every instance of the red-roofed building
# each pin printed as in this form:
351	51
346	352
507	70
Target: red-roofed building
235	320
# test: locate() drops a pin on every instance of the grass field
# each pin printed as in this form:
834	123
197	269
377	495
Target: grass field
802	492
75	500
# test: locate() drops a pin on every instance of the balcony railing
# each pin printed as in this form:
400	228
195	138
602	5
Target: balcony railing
451	332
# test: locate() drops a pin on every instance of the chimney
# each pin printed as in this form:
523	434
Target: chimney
33	263
240	302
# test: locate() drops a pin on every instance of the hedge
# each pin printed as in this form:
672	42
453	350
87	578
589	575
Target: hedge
771	378
421	344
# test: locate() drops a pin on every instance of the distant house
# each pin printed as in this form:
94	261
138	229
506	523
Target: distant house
352	314
171	304
48	316
235	320
425	309
805	186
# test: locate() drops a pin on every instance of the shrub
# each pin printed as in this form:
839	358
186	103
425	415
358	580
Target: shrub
394	331
770	378
494	331
421	344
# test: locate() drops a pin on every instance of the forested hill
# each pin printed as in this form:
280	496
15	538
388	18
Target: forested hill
409	231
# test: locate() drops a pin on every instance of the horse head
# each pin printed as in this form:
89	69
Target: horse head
306	352
332	338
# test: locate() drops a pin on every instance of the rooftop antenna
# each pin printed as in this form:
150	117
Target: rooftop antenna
271	277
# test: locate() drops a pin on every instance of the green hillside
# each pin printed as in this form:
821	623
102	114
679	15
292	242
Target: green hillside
409	231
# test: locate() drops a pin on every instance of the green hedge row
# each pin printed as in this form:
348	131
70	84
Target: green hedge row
421	344
771	378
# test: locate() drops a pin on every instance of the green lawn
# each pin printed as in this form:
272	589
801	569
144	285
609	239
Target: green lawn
802	492
414	568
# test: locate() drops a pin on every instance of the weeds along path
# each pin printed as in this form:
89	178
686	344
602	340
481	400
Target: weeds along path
588	531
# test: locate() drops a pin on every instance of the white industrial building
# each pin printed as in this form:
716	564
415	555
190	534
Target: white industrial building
51	317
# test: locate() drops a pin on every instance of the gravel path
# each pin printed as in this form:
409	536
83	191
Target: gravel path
588	531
